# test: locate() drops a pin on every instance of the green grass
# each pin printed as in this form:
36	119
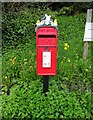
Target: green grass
69	93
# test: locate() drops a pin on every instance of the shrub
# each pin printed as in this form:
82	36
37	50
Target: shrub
28	101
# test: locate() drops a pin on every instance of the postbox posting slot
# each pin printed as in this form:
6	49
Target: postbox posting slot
46	36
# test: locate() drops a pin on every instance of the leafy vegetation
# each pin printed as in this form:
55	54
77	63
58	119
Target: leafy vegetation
69	93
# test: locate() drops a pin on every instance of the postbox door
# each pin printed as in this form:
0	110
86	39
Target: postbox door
46	60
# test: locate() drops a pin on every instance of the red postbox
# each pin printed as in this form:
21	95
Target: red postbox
46	50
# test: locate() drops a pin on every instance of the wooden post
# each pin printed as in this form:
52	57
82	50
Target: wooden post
89	15
89	20
85	53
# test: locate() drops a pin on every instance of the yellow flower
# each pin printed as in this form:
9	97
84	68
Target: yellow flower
55	21
65	48
13	60
38	21
61	62
66	44
31	67
76	55
69	60
5	77
86	70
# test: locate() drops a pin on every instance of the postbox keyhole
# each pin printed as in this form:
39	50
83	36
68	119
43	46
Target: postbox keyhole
46	48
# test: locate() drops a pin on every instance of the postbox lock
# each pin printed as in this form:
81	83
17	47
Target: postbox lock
46	47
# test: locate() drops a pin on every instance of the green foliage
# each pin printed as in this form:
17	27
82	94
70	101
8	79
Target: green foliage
69	93
18	28
70	63
74	8
66	11
19	19
28	101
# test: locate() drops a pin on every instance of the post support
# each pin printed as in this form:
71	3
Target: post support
85	53
45	83
88	32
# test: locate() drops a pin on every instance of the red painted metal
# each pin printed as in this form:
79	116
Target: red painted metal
46	50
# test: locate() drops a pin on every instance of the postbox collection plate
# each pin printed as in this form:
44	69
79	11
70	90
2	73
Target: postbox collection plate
46	60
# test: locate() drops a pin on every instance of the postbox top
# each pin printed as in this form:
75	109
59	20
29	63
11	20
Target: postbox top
46	21
45	26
